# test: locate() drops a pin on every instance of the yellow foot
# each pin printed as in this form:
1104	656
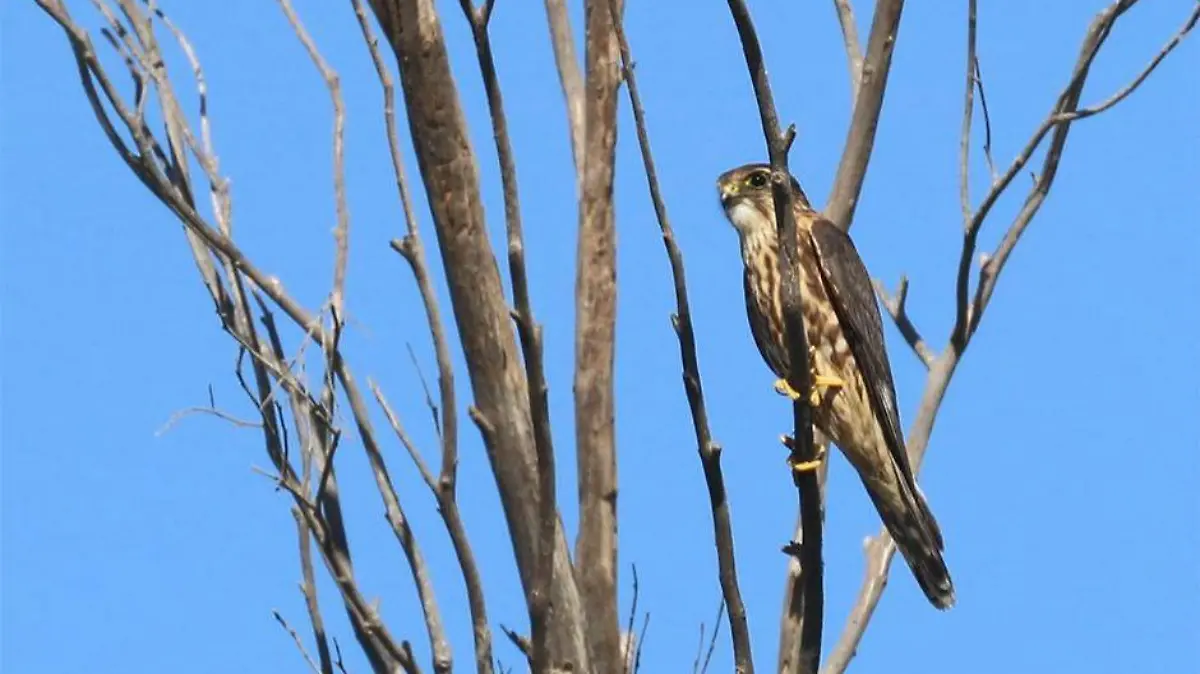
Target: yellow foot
783	388
821	386
804	466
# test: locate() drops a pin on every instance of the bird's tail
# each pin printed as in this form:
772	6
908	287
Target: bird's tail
911	524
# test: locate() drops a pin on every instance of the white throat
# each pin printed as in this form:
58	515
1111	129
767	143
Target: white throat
754	229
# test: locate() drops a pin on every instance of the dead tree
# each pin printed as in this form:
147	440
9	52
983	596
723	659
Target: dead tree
571	594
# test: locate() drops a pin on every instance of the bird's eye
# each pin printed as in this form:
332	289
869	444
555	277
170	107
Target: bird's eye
758	180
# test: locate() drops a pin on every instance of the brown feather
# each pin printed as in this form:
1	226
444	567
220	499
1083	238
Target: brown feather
844	329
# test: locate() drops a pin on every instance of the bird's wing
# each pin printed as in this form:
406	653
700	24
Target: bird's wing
853	299
768	344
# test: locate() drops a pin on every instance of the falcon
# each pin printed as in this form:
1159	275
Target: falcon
853	396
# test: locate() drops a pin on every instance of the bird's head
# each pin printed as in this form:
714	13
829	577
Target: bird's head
748	201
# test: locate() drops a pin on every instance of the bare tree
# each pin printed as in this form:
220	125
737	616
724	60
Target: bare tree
570	591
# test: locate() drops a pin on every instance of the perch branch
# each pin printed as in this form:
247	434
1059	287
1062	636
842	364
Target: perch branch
805	654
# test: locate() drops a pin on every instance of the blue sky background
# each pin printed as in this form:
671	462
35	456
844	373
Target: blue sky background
1063	468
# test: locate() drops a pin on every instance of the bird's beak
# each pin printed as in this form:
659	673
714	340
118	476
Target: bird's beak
728	192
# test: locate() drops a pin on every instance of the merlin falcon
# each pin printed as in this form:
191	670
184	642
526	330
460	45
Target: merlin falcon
853	396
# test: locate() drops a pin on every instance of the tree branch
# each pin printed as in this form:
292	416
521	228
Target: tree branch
854	55
312	665
595	332
527	330
964	140
341	232
708	450
499	385
166	177
860	139
413	252
991	268
881	549
308	588
569	77
806	652
897	308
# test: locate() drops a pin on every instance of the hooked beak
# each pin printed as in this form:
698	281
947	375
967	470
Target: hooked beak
728	192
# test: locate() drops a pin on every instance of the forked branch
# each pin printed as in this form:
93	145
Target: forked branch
881	549
868	103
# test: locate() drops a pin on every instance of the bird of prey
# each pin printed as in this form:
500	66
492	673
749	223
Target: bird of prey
853	397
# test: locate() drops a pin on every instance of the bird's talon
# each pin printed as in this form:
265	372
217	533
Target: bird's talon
821	386
806	466
783	388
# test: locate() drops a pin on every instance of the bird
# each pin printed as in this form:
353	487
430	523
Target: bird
853	396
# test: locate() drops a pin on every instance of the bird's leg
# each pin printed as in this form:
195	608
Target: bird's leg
821	383
803	466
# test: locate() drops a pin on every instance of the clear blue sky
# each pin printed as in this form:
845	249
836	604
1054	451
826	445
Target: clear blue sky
1063	468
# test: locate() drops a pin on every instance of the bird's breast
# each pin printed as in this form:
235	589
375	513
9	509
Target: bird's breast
821	324
764	284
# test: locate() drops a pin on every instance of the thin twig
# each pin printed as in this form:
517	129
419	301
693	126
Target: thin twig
448	508
994	264
625	655
897	307
340	664
167	180
712	642
411	249
519	641
854	55
404	439
987	123
308	588
325	426
964	140
445	489
440	645
1065	111
700	648
341	231
708	450
429	403
225	416
569	77
641	641
296	638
